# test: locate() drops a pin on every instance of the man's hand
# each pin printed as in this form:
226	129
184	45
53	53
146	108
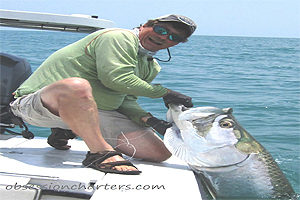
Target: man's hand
177	98
159	125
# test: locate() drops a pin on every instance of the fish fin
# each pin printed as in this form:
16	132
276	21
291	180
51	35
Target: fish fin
174	143
205	182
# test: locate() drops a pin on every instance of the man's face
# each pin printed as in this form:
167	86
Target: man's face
153	41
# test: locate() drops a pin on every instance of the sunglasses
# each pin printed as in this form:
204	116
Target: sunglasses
163	31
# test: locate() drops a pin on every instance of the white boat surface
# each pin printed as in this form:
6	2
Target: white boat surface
48	21
32	170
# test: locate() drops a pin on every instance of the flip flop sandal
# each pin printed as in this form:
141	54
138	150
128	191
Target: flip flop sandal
94	160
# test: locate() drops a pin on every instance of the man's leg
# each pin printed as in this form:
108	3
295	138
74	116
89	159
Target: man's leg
131	138
143	144
72	100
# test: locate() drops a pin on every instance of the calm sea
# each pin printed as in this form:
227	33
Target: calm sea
258	77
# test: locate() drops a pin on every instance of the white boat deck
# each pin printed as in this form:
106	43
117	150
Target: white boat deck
33	162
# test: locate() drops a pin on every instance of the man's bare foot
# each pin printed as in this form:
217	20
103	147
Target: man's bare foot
121	167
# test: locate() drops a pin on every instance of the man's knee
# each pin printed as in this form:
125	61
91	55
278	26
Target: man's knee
77	87
164	155
64	91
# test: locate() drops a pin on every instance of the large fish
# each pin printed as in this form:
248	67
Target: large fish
229	161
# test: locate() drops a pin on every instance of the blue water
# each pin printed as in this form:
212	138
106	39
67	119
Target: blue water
258	77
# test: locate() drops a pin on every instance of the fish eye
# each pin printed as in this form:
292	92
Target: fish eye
226	124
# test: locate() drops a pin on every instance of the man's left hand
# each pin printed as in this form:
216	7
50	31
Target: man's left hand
177	98
159	125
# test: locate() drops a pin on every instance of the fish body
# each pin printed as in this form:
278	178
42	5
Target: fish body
229	161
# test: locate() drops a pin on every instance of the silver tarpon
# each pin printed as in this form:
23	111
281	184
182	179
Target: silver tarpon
229	161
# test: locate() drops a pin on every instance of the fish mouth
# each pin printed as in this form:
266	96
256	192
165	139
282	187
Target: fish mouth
183	108
174	111
222	167
178	107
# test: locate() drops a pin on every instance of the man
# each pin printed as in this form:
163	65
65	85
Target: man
91	86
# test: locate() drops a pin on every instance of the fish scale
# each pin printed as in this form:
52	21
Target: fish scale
282	187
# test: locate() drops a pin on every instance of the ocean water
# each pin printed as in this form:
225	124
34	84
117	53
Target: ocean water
258	77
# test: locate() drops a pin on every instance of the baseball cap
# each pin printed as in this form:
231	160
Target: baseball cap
181	19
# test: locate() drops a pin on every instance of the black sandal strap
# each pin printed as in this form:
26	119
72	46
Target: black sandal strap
98	158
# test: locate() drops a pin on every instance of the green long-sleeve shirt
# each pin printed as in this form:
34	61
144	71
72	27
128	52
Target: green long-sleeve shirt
109	60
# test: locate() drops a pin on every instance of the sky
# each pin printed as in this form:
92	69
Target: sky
254	18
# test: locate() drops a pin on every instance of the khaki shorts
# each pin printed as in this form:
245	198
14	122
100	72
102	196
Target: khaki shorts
112	123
